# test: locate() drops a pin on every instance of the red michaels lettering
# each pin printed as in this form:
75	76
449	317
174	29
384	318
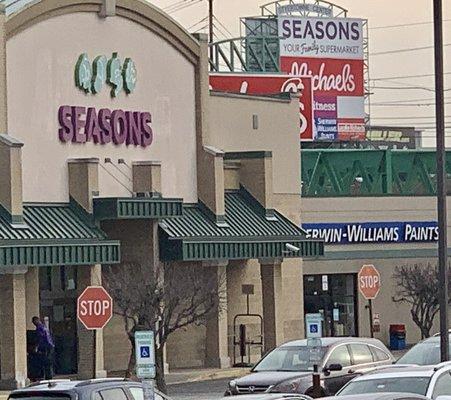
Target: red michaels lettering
342	82
82	125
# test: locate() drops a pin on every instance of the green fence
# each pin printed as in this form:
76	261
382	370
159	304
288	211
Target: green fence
332	173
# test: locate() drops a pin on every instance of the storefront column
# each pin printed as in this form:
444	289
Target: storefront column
216	346
32	296
90	343
13	332
271	275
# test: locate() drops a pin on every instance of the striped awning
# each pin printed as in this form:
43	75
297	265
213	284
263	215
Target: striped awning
54	234
249	232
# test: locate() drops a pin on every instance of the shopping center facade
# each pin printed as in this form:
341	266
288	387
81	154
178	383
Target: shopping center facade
114	151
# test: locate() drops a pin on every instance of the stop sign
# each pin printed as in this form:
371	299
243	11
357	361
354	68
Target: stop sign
369	282
94	307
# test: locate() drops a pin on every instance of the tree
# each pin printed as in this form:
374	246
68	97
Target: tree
417	285
166	300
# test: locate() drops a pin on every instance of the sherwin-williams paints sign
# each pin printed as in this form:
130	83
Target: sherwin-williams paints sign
330	50
374	232
79	124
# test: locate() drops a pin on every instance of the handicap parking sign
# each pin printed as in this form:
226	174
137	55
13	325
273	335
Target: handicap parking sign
313	328
314	325
145	351
145	354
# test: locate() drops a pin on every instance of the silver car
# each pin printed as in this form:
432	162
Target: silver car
289	368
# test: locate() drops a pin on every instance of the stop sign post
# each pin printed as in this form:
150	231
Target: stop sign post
94	307
369	285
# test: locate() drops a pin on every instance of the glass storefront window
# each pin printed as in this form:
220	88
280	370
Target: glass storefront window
334	296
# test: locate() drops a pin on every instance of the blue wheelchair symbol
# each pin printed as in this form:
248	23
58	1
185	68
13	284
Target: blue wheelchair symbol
313	328
145	351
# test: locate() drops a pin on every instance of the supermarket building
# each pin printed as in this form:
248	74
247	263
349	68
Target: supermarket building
135	161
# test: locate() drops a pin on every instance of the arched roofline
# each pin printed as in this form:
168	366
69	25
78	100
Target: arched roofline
139	11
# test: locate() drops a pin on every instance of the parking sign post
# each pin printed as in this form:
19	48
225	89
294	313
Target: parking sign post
145	362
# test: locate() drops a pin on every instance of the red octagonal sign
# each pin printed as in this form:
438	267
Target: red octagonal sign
94	307
369	282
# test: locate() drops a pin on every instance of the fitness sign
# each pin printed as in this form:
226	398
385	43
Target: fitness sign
78	124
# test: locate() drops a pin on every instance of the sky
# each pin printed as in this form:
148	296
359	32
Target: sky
418	92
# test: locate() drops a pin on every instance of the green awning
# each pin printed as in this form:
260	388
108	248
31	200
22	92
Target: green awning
249	233
54	234
136	208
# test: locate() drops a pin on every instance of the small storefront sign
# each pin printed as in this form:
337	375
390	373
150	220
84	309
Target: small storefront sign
374	232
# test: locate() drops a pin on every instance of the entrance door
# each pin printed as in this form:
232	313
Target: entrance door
58	303
335	297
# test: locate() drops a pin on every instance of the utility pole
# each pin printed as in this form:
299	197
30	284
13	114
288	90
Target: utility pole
441	180
210	22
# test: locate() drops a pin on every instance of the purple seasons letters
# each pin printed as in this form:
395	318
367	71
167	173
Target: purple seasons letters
82	125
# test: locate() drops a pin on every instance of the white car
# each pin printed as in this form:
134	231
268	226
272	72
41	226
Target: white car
434	382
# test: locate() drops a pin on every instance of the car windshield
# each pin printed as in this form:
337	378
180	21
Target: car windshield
293	359
424	353
411	384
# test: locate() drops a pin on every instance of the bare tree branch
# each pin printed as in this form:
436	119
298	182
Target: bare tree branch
165	300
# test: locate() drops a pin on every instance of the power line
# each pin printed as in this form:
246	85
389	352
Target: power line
197	23
412	49
183	5
413	117
223	26
404	104
405	25
389	78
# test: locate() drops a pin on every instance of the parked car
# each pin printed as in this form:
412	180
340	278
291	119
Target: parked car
426	352
94	389
380	396
434	382
289	368
271	396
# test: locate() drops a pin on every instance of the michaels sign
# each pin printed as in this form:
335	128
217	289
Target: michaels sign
374	232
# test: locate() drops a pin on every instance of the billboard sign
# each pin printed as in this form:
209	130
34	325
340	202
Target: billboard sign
330	51
392	137
260	84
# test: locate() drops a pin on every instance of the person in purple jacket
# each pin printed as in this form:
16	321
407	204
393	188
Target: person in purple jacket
45	348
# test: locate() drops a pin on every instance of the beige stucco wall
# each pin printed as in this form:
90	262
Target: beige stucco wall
41	61
230	122
350	258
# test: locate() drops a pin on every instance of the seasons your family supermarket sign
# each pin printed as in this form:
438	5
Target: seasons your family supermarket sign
78	124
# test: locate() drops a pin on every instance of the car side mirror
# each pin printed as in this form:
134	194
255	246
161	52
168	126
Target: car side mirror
333	368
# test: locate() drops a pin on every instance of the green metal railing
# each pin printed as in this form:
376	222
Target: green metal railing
333	173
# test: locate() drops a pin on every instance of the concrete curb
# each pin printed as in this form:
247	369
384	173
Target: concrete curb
207	376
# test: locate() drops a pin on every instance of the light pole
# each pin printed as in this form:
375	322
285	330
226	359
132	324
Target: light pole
441	180
210	22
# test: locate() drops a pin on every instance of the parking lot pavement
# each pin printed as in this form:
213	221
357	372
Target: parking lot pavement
205	390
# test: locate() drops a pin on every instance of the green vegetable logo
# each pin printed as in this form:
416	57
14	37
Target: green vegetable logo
130	75
91	79
83	73
99	78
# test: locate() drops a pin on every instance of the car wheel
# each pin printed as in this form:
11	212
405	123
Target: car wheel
316	393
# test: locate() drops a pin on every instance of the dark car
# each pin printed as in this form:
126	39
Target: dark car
426	352
289	368
94	389
272	396
380	396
